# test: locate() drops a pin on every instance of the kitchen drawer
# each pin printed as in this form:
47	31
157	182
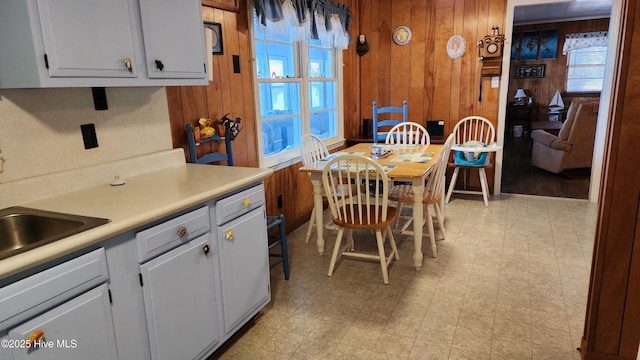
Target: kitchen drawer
27	297
171	233
241	203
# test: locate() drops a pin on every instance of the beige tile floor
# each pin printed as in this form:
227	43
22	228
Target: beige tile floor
510	282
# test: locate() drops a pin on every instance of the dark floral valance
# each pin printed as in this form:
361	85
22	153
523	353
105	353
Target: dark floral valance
320	19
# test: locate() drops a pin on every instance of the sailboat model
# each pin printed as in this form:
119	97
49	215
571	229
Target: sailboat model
556	103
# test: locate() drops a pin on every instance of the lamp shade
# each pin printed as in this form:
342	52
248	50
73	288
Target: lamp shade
520	94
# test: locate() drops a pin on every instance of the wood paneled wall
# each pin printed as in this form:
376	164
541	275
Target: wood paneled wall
555	77
229	92
436	86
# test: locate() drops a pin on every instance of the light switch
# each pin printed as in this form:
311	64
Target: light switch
495	82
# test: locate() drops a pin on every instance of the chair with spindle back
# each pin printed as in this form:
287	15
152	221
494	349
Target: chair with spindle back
473	129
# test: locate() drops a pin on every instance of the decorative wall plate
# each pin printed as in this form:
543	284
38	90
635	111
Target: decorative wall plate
456	46
402	35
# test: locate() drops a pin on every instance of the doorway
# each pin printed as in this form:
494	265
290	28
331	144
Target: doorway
513	172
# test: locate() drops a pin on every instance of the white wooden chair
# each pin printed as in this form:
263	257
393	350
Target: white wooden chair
312	150
472	128
363	209
433	194
408	133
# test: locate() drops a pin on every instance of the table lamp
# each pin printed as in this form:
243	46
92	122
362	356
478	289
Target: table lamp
520	95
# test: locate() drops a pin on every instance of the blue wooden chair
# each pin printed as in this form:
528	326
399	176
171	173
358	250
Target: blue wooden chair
279	238
210	157
388	121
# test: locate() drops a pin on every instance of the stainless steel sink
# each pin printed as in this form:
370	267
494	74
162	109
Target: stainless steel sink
23	229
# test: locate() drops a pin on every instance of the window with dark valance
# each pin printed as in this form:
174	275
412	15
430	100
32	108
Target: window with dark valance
327	21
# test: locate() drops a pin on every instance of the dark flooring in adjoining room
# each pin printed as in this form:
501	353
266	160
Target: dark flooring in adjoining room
519	177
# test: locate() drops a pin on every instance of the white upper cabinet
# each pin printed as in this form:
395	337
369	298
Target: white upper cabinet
101	43
170	35
87	38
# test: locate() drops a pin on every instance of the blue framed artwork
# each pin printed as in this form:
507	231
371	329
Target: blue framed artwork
529	48
515	46
548	44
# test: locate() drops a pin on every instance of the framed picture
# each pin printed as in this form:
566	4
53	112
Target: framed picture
529	48
213	34
548	44
515	46
529	71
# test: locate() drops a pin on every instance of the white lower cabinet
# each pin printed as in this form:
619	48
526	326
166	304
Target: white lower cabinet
80	328
180	301
173	289
244	265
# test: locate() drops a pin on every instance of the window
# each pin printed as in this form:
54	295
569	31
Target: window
585	69
297	88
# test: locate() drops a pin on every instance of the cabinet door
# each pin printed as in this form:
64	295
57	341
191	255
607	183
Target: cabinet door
179	301
81	328
173	41
244	260
87	38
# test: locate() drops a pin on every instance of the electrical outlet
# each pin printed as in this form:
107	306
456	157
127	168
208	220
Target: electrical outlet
89	136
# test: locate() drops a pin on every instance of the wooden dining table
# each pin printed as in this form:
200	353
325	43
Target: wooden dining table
409	163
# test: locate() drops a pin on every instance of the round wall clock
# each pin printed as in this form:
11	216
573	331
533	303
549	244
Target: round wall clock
456	46
402	35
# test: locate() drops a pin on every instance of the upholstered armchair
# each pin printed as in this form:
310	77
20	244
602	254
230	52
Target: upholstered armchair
573	146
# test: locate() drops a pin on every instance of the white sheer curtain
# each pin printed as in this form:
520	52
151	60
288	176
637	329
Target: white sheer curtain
329	23
578	41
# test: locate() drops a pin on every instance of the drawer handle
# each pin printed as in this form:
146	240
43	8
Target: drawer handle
127	64
229	235
182	231
37	336
247	202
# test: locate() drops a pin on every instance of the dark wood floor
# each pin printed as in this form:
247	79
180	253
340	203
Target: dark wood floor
519	177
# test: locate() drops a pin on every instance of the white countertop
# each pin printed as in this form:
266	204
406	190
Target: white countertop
142	199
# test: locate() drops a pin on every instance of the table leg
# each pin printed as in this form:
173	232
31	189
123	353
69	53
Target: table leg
316	181
418	215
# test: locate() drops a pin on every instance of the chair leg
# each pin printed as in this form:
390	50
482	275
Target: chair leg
283	246
444	187
336	249
452	184
352	245
432	236
381	255
440	218
399	212
392	242
312	222
483	185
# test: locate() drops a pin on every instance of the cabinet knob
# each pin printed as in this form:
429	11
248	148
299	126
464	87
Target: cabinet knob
128	65
182	231
229	235
247	202
159	65
37	336
205	249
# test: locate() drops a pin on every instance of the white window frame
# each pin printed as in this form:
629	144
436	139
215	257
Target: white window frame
290	157
570	67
